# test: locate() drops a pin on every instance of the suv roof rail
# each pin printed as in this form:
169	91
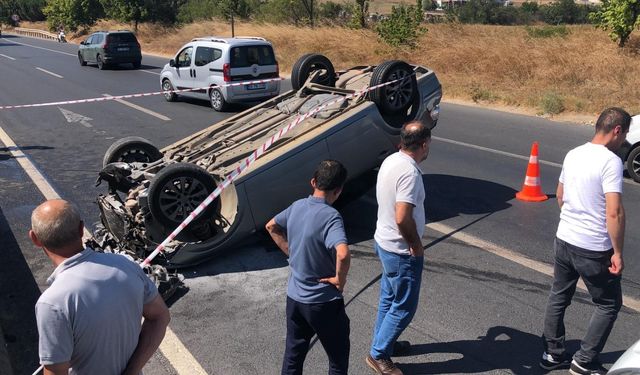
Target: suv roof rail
209	39
252	37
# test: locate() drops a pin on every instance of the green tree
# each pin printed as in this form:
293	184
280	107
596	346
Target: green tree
403	26
620	17
125	11
72	14
360	14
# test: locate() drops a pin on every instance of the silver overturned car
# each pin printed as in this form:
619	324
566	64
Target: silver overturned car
151	191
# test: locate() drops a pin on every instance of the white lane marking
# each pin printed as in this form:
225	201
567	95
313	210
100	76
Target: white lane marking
141	109
7	57
630	302
76	117
171	347
48	72
38	47
148	71
515	156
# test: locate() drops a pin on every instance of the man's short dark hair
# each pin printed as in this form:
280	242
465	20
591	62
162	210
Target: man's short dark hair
413	135
612	117
330	175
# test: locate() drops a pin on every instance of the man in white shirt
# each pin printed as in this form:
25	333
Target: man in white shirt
588	244
401	219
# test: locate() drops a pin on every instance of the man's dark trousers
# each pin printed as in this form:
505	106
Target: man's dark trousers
572	262
329	321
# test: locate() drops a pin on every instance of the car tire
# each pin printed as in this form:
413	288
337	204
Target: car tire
137	64
81	60
396	97
167	87
177	190
101	64
216	99
633	164
131	150
309	63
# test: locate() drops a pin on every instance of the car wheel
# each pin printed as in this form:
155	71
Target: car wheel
309	63
217	100
396	97
81	60
137	64
101	64
167	87
131	150
633	164
177	190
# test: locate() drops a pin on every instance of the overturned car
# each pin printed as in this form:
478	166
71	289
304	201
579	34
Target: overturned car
152	191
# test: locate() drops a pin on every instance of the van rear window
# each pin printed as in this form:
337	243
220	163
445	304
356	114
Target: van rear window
122	38
242	57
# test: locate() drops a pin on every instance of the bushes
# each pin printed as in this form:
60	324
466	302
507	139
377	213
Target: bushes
402	28
494	13
547	31
552	103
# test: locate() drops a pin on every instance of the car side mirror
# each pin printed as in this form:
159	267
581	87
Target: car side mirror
82	43
172	62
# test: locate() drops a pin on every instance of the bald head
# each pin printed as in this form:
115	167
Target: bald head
413	135
56	224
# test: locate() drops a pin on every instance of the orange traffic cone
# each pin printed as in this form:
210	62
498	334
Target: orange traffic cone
531	190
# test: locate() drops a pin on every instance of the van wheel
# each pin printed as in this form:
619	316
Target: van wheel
309	63
398	96
101	64
131	150
167	87
633	164
217	100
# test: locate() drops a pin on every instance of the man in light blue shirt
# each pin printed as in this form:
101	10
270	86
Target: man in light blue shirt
311	233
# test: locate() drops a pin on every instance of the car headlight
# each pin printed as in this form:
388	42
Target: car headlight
435	112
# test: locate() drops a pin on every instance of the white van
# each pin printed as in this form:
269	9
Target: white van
212	64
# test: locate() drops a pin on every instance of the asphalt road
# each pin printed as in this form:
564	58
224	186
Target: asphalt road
479	313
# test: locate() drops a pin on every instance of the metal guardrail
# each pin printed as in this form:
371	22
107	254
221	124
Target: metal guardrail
35	33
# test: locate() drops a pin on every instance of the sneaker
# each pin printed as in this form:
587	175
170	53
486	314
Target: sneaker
382	366
593	368
401	348
554	362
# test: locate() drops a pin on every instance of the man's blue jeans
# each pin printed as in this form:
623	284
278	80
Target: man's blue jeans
399	292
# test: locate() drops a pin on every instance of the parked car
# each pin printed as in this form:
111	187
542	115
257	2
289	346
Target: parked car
628	363
630	150
108	48
152	191
212	62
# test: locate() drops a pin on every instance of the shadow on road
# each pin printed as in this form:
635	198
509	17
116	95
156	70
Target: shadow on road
502	348
447	196
18	295
5	152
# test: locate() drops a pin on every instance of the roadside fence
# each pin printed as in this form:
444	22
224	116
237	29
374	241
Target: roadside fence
35	33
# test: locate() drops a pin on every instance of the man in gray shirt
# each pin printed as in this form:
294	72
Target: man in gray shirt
89	319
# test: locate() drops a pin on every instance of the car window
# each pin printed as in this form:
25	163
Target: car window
205	55
122	38
98	38
245	56
89	40
184	57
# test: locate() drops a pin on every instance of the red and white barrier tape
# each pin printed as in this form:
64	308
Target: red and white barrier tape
247	162
105	98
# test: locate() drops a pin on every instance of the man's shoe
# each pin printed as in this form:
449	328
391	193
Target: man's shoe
593	368
401	348
382	366
553	362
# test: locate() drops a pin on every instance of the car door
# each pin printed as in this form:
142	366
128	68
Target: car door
96	46
183	76
86	49
202	64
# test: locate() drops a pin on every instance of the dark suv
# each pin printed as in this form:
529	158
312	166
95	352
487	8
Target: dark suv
110	47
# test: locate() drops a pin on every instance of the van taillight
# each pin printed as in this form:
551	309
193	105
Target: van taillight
105	45
226	72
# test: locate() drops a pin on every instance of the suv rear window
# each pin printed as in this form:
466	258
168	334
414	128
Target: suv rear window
242	57
122	38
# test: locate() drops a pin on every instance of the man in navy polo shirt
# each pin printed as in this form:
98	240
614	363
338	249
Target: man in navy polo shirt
311	233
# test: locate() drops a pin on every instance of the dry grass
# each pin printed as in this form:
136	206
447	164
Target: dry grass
499	65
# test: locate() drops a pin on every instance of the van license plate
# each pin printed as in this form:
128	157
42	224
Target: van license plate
256	86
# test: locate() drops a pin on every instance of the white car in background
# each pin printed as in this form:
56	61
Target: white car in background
630	151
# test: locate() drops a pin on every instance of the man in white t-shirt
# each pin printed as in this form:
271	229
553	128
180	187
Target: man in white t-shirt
588	244
401	219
